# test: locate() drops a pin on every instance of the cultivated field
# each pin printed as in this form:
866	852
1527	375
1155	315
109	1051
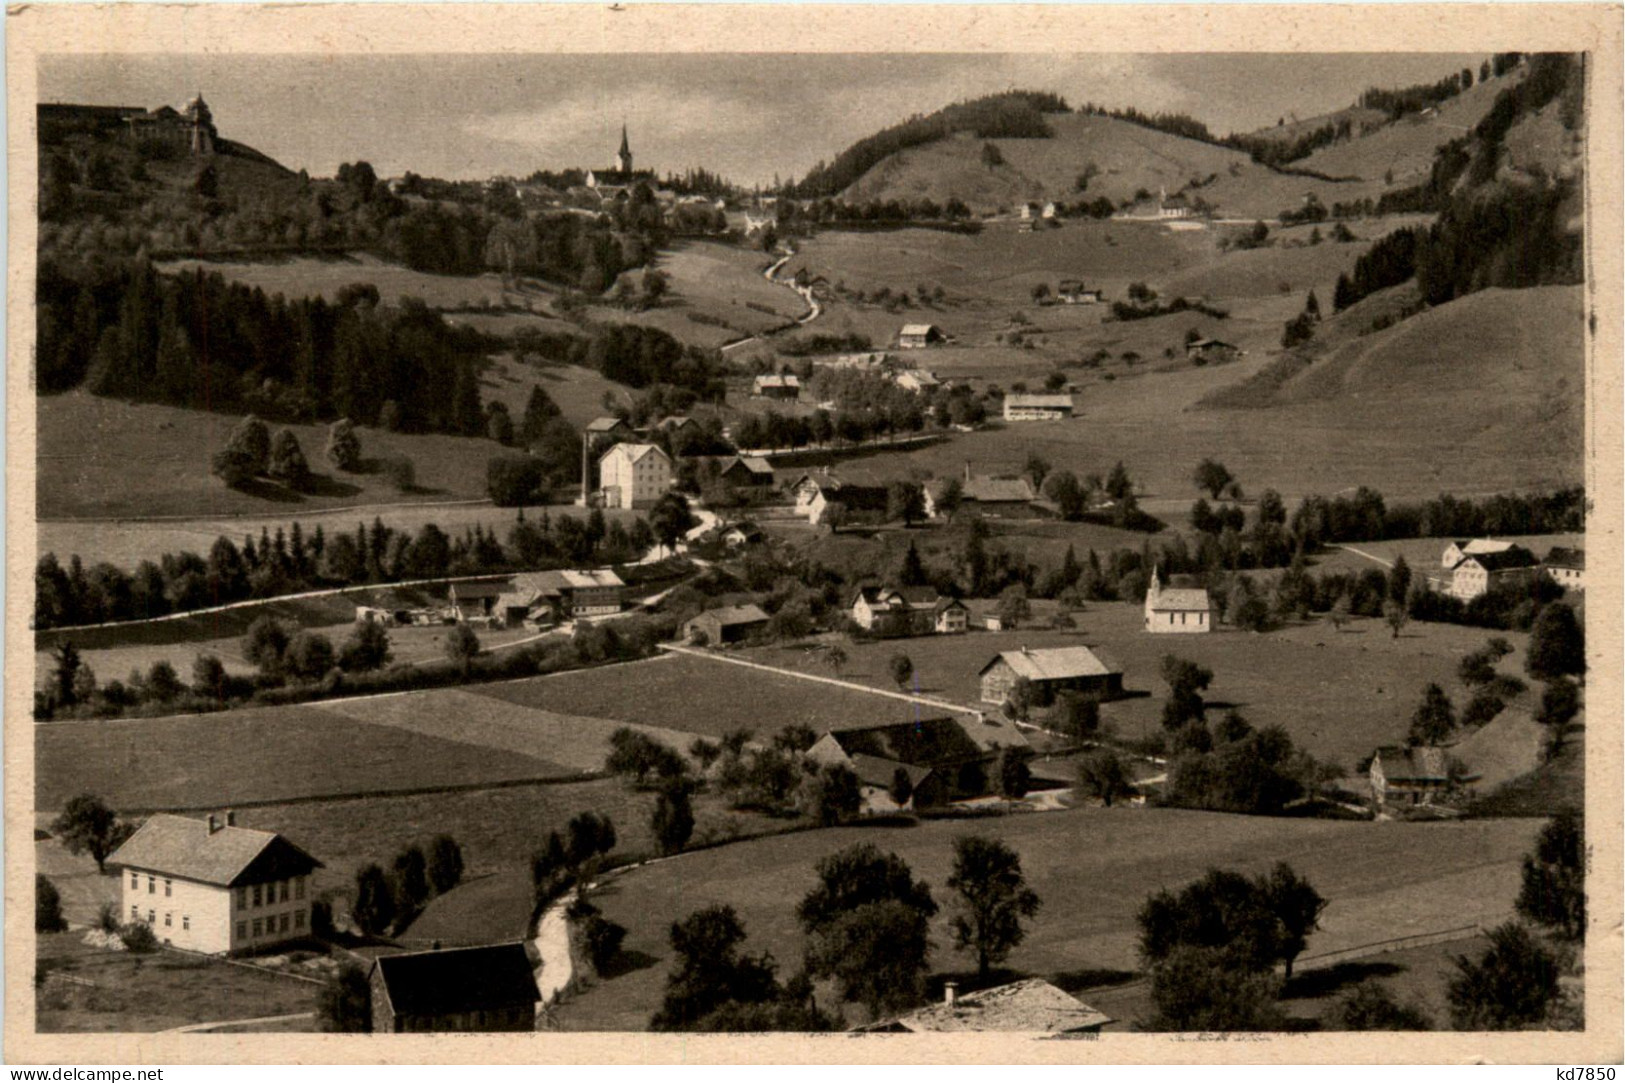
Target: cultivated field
114	991
1092	868
1424	554
312	277
1339	694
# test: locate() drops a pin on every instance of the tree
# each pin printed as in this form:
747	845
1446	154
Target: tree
671	519
1341	611
905	500
47	907
1196	989
1212	476
309	655
913	570
832	794
400	472
209	677
1553	892
288	464
266	644
250	440
590	836
1118	484
366	648
1297	906
1371	1006
672	821
411	880
1015	776
710	972
374	907
461	647
901	790
65	669
991	158
1399	580
1556	644
445	864
1434	718
1013	607
1101	773
1068	494
514	481
836	658
1077	715
1251	923
345	1003
1559	703
901	668
87	826
1186	681
343	445
1508	987
993	897
867	925
1395	615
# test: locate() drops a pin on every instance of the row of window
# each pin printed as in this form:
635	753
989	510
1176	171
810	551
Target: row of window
271	926
169	918
152	884
270	894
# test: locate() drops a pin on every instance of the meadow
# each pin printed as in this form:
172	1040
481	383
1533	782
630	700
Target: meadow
1092	868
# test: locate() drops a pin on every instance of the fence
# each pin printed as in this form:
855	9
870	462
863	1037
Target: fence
1383	947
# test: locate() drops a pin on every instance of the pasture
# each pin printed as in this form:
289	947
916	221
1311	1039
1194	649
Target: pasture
308	276
1424	555
1338	694
1092	868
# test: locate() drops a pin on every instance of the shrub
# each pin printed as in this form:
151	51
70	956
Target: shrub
138	936
47	907
398	469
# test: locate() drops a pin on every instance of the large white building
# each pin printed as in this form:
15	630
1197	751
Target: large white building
213	887
1176	609
633	475
1032	407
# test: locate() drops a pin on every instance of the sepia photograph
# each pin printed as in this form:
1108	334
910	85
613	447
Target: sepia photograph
565	531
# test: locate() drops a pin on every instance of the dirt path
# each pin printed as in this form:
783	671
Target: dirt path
814	309
554	969
942	704
204	1028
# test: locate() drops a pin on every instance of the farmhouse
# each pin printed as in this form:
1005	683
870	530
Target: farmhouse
211	886
1458	551
1408	776
728	624
907	611
868	361
745	471
1208	350
1176	609
916	336
1071	291
633	475
917	380
997	497
477	600
1030	1006
1050	671
945	758
776	386
612	427
489	988
1481	573
1029	407
1174	206
831	501
676	424
1566	567
554	596
743	534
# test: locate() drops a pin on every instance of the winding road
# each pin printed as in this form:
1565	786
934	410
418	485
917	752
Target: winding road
814	309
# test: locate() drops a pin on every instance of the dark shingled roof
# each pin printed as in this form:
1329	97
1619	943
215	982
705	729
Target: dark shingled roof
184	847
1566	558
458	980
1515	557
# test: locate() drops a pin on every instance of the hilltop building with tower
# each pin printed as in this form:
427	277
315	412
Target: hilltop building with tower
621	175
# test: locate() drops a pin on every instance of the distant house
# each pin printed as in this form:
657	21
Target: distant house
372	614
1480	573
868	361
1071	291
727	624
633	475
476	600
1408	776
609	426
843	499
1029	1006
1050	671
955	755
1175	206
907	611
1210	350
1457	551
551	597
1028	407
915	336
775	386
213	887
1176	609
484	989
745	471
1566	567
917	380
743	534
997	497
677	424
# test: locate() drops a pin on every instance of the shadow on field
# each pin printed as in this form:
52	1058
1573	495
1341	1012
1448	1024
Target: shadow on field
1327	980
1075	981
326	485
627	962
270	490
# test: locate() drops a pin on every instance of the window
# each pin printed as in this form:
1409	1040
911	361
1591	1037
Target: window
259	926
135	913
186	921
284	891
167	921
299	888
242	930
152	917
257	895
284	925
152	885
135	880
242	898
298	919
168	889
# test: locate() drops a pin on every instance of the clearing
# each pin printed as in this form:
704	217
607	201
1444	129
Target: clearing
1383	880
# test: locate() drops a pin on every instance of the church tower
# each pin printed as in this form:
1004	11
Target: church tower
623	158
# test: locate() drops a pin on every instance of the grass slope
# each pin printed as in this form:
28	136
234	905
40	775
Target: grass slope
1383	880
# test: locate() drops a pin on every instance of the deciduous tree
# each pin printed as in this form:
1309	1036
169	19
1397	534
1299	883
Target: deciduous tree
992	899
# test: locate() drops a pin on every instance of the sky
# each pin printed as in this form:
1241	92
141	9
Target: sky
747	116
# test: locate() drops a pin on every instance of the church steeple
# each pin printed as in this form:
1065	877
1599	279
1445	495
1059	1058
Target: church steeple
623	157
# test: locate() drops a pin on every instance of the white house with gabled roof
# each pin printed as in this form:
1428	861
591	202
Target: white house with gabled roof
1176	609
633	475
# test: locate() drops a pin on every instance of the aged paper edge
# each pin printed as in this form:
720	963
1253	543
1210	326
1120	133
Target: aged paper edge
767	28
